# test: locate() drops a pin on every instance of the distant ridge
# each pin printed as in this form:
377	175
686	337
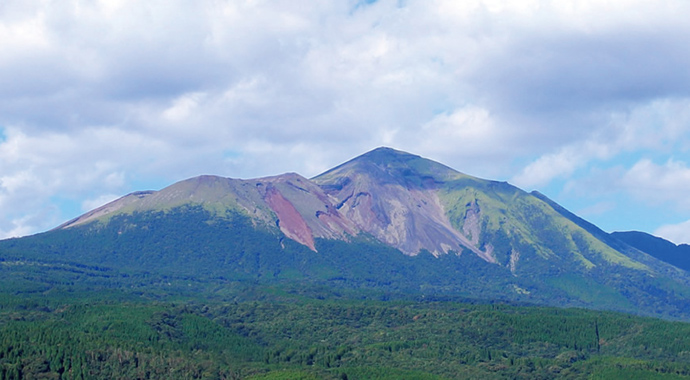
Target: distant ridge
677	255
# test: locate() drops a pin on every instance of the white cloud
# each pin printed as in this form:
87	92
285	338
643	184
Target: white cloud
657	184
561	164
183	107
37	169
23	35
19	227
468	138
656	126
598	208
98	95
470	126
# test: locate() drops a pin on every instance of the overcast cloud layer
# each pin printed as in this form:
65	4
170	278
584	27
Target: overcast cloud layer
585	101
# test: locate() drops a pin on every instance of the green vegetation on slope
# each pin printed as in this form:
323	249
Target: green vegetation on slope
512	218
257	313
189	250
533	240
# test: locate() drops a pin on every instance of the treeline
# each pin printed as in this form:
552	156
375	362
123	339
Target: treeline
307	339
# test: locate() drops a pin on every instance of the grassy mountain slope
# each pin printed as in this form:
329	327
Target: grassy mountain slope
191	247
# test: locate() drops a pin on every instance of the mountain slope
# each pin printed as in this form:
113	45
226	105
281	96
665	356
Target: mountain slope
384	221
412	203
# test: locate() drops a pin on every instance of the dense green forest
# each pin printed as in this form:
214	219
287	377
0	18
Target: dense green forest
299	337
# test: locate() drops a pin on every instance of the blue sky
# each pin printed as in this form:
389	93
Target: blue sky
587	102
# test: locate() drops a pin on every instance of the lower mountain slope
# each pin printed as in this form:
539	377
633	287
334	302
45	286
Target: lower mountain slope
190	251
190	245
534	237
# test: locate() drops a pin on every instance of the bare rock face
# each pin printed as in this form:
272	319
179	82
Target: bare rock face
392	195
289	219
303	210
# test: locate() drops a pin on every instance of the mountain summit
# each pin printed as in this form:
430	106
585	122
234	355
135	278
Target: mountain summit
388	165
385	219
394	196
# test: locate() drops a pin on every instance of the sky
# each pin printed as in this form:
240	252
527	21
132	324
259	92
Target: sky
587	101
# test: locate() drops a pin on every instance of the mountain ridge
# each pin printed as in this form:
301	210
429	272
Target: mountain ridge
677	255
403	200
427	227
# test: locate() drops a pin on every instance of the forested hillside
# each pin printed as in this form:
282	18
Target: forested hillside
292	337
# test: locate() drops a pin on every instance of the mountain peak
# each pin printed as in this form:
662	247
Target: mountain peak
385	156
385	153
393	195
388	165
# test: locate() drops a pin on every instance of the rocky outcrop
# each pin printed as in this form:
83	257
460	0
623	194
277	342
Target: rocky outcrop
289	220
393	196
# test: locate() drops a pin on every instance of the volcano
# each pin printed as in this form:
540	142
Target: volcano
385	220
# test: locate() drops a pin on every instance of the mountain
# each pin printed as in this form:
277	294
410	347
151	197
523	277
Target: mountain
664	250
387	222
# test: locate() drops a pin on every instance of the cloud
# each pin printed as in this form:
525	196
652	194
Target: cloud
557	165
598	208
659	126
658	184
97	97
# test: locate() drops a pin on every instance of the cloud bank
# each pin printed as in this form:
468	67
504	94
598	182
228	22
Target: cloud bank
578	99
